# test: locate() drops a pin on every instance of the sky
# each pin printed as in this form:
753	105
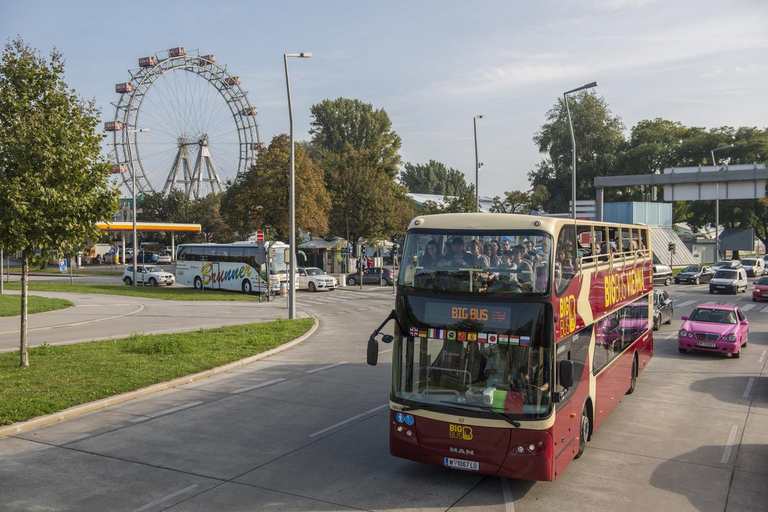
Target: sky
433	65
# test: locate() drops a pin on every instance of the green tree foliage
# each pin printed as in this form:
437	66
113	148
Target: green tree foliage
433	178
599	140
463	202
518	201
177	207
343	123
259	197
54	183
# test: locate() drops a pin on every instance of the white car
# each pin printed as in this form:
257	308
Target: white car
148	274
313	279
164	258
754	267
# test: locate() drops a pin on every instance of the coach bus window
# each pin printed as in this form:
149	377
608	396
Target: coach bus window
236	254
565	264
222	254
250	256
194	253
182	254
518	262
209	253
574	348
617	331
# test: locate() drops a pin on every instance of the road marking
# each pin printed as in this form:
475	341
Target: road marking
749	388
671	336
84	322
385	351
347	421
165	498
326	367
686	303
748	307
257	386
165	411
762	356
509	502
729	444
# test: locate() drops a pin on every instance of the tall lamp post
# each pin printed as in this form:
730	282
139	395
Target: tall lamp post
133	193
573	145
292	202
477	168
717	204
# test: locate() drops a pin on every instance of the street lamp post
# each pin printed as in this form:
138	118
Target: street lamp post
133	193
717	204
573	145
477	168
292	202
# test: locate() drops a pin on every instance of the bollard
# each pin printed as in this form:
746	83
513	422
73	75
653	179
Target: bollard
283	289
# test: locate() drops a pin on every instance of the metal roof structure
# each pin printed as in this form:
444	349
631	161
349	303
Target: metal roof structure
660	239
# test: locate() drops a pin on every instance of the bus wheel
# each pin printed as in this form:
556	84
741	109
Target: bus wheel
198	283
633	380
584	432
247	289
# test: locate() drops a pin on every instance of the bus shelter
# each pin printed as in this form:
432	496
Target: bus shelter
173	227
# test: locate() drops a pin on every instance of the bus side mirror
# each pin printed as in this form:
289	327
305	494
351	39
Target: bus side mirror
565	373
373	350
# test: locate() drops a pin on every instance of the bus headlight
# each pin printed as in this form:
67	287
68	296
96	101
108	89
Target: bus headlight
531	447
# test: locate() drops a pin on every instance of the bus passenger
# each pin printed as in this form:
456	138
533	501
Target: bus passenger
495	258
458	257
431	256
480	259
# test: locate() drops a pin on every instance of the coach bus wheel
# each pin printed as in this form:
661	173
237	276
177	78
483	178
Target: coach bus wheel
584	432
198	283
633	380
247	289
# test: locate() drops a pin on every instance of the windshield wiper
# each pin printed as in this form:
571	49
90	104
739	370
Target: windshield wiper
465	407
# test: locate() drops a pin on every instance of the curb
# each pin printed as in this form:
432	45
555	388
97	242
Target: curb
40	421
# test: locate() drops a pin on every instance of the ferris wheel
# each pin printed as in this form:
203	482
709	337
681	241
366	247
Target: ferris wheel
182	121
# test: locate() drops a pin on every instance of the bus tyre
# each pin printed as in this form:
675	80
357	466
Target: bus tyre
152	281
633	379
128	281
247	288
198	283
583	432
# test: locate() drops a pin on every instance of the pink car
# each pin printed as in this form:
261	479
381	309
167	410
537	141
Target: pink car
718	328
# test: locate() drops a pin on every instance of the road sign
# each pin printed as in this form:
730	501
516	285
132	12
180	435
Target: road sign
112	250
259	236
63	265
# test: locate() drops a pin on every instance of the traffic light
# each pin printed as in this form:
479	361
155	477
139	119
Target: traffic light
671	246
362	249
394	248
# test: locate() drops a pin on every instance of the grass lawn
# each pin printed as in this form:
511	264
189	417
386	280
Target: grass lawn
64	376
10	305
158	292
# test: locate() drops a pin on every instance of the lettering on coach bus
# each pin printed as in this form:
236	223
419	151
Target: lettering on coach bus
226	275
566	322
460	432
623	285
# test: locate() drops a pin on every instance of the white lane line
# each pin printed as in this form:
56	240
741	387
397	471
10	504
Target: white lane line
385	351
257	386
749	388
747	307
762	356
326	367
729	444
686	303
165	498
165	411
764	310
348	420
509	502
671	336
84	322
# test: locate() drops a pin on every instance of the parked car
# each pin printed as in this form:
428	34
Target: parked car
314	279
729	280
372	276
146	257
721	328
148	274
663	308
760	292
662	274
695	275
164	258
753	266
726	264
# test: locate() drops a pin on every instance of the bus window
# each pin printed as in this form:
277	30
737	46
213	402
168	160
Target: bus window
222	254
236	254
209	253
565	259
194	254
249	256
182	254
574	348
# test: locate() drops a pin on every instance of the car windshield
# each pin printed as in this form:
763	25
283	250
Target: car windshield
153	269
692	269
722	264
763	281
749	262
470	261
718	316
725	274
315	272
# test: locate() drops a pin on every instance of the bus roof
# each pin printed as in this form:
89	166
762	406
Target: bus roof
498	221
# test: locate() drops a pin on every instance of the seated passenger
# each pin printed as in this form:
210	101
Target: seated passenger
431	256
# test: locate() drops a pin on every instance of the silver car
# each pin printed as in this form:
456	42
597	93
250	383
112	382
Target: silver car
151	275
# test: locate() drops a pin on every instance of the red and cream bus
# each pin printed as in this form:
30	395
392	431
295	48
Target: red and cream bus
515	337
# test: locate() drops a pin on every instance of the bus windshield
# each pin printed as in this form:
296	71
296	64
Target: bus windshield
278	264
500	364
493	262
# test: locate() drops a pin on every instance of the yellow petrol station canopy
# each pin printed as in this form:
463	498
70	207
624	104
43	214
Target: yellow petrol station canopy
149	226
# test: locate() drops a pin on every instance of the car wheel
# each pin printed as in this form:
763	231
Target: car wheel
754	299
711	290
152	281
656	323
633	380
198	283
671	314
682	350
668	281
128	281
384	281
746	340
696	281
312	287
736	354
351	281
247	287
584	432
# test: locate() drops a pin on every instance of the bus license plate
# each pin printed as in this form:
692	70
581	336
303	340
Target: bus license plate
466	465
706	344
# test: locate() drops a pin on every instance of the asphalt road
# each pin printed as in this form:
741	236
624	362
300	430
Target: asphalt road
306	430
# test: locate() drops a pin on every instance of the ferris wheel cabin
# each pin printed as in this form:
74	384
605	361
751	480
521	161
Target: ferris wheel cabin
250	111
113	126
179	51
124	87
206	59
120	169
232	81
146	62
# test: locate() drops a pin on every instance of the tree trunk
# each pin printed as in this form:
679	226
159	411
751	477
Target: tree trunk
24	284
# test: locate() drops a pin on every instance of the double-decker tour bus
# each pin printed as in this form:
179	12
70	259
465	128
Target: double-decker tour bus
244	266
515	336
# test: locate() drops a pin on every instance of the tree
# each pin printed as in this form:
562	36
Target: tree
599	140
53	180
259	197
206	211
517	201
433	178
344	123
